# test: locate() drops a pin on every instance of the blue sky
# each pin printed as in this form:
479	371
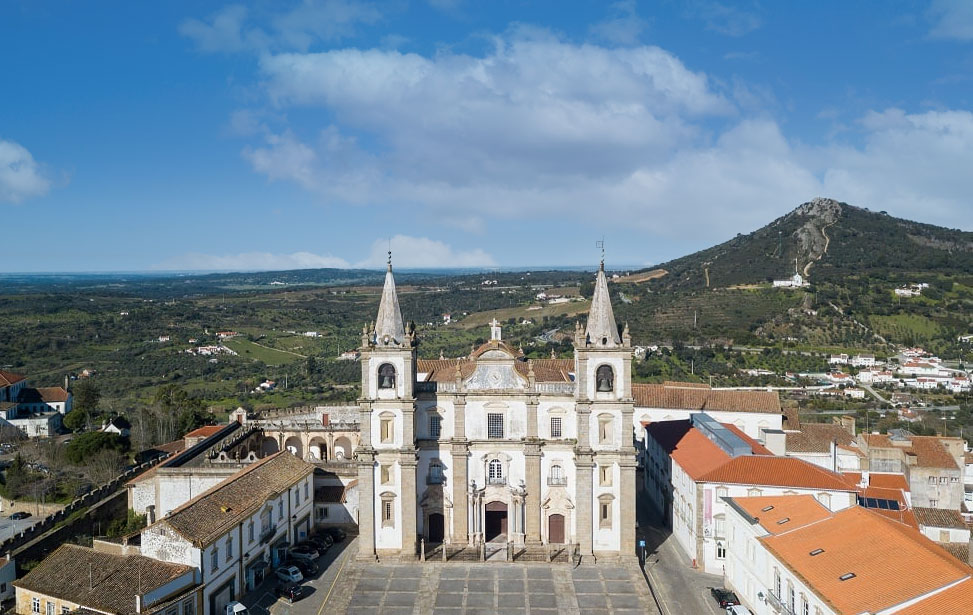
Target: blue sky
271	135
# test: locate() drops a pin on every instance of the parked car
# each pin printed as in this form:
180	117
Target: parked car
322	544
736	609
289	574
292	592
304	552
724	596
335	533
306	567
17	516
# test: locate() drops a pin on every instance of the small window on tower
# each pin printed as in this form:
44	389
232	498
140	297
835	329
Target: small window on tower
494	425
386	376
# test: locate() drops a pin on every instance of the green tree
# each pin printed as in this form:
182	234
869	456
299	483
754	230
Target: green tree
75	420
86	396
87	445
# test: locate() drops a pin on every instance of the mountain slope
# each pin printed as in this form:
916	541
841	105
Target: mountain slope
825	240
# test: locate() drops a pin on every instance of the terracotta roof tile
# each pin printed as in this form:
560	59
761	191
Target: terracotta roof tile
778	472
939	517
699	398
204	432
956	599
113	583
876	550
783	513
10	378
694	452
817	438
930	452
206	517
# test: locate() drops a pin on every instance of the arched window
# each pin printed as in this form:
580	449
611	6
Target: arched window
605	377
386	376
720	550
557	476
495	472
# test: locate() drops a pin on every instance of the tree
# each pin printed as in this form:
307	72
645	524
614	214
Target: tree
75	420
105	465
86	397
85	446
311	365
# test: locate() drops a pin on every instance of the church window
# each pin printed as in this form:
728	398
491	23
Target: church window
387	425
386	376
605	476
605	511
435	426
388	510
605	377
557	476
494	425
385	472
435	473
495	472
555	427
605	429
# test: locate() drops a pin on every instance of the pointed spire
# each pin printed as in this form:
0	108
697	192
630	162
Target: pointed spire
602	330
389	328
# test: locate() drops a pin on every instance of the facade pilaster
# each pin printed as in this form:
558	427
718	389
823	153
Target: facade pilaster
532	500
366	503
407	467
460	450
584	467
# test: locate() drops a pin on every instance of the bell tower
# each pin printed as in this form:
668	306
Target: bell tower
605	453
387	455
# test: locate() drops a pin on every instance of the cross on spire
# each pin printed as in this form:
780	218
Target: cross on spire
601	244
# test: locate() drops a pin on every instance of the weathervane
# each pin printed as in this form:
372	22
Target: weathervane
390	254
601	245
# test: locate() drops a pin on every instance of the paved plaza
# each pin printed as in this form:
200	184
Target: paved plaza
488	588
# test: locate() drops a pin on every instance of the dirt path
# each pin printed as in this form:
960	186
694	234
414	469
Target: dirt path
827	242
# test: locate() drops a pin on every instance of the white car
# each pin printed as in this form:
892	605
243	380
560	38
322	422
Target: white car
289	574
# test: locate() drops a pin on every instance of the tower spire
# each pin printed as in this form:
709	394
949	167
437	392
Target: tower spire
602	330
389	327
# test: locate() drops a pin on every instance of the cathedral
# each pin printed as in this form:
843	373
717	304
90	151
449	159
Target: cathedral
495	447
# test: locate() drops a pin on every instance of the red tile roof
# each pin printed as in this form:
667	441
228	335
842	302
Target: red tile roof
939	517
694	452
9	378
817	437
783	513
695	397
930	452
53	394
778	472
891	562
956	599
204	432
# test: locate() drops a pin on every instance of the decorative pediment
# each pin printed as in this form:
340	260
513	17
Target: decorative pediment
495	377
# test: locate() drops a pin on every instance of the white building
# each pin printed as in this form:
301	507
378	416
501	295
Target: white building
863	360
236	531
690	468
793	555
838	359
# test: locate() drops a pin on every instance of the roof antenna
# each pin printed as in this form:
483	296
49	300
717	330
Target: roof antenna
601	245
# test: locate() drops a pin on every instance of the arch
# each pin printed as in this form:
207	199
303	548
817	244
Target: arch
269	446
495	475
386	376
342	448
605	378
317	448
294	445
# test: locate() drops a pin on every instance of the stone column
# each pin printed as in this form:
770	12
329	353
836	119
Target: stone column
532	501
407	465
627	513
460	449
366	503
584	467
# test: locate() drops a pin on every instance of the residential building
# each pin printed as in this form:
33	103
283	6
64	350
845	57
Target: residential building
691	466
945	527
863	360
8	573
792	555
233	533
838	359
35	411
830	445
75	579
934	466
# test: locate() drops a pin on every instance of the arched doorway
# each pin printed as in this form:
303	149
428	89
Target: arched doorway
342	448
437	527
318	449
293	444
555	529
269	446
495	527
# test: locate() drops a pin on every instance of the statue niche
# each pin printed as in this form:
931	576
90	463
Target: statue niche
605	378
386	376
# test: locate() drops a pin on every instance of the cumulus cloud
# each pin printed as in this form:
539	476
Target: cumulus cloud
251	261
952	19
424	252
21	177
234	29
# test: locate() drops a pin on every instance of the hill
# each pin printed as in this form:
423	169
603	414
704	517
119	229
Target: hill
827	240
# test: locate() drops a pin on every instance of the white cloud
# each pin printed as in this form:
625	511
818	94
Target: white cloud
232	28
424	252
728	19
21	177
623	26
952	19
251	261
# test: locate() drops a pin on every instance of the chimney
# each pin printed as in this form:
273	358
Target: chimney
775	440
138	603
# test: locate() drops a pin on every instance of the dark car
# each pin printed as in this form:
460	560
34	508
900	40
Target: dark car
724	596
307	568
292	592
17	516
336	533
321	543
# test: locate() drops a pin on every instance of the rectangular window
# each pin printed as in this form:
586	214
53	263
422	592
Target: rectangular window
306	490
494	425
387	518
65	610
388	433
932	480
50	608
297	497
720	526
605	475
943	480
605	430
435	426
386	474
933	503
323	512
605	514
229	548
250	530
435	474
214	563
189	606
555	427
35	605
172	610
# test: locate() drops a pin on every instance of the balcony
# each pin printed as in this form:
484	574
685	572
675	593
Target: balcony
557	481
497	480
267	534
778	606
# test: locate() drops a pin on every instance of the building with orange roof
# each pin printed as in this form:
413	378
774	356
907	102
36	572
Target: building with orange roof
692	465
934	466
37	411
829	445
792	555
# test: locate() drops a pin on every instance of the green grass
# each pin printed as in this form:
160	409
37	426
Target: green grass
249	350
901	326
